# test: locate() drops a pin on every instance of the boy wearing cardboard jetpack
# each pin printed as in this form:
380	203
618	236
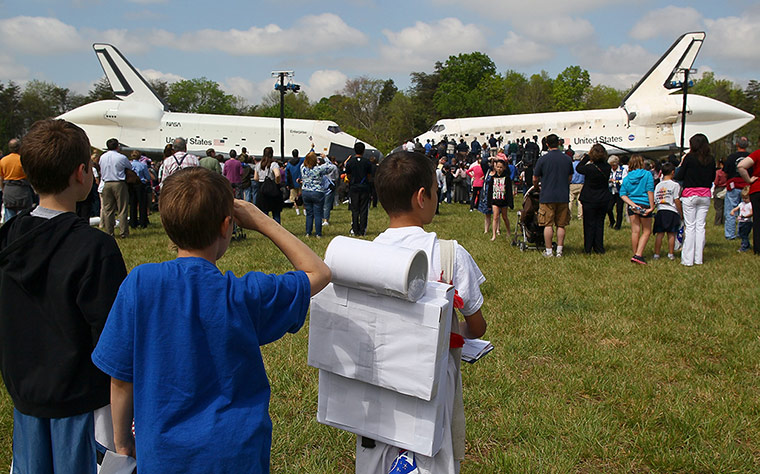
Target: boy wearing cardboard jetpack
407	189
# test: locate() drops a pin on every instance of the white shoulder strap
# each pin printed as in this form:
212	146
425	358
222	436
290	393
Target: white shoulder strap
448	254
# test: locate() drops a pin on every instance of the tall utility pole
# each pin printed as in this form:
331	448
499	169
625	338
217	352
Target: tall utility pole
284	88
685	88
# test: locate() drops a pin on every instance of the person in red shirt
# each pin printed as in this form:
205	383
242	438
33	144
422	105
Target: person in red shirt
752	163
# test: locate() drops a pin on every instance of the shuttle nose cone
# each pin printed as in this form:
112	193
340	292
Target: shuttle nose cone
712	118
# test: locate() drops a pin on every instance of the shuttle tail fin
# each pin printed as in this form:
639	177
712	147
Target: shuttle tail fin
127	84
658	81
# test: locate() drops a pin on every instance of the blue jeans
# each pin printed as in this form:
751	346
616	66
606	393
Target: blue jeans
732	199
329	201
254	190
313	203
745	228
65	445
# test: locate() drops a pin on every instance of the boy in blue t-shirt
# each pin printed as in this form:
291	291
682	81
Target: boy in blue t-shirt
181	343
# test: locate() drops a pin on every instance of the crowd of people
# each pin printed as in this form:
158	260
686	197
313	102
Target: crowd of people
668	197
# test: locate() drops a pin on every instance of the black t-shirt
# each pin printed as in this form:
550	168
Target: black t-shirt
359	170
729	166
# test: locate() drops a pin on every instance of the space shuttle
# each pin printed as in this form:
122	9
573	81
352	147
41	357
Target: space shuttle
648	121
140	120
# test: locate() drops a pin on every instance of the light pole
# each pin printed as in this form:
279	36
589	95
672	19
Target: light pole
685	88
284	88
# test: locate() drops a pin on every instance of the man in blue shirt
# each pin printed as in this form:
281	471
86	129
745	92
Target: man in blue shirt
576	185
553	171
138	192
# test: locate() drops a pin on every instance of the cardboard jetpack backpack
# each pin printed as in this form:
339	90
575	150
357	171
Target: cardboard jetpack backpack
382	359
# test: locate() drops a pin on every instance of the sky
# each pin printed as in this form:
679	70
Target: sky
238	44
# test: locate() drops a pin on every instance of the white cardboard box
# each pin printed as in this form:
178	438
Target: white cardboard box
380	340
383	415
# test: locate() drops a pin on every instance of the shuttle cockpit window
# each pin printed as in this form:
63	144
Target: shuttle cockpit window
437	128
334	129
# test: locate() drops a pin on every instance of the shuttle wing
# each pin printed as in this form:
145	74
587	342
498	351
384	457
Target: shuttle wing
657	82
127	84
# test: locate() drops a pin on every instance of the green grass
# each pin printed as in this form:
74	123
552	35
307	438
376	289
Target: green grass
600	365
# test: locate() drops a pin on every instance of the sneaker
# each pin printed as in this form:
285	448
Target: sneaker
298	212
404	464
548	253
559	253
671	256
325	223
638	259
351	232
655	257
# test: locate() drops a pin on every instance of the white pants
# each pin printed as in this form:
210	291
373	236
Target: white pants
694	216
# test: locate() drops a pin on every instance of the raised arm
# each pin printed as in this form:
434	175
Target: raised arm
300	255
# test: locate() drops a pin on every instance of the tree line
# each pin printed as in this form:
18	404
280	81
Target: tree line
375	110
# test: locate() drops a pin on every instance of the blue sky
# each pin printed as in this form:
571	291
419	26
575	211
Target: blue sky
238	44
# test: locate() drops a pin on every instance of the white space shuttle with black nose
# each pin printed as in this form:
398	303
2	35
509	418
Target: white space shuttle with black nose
648	120
140	120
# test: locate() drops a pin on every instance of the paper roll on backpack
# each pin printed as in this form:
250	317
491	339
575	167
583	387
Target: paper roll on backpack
378	268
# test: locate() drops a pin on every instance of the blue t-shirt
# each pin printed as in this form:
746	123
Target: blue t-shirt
554	169
294	171
187	337
637	185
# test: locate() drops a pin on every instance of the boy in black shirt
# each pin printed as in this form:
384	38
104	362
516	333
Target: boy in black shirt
58	279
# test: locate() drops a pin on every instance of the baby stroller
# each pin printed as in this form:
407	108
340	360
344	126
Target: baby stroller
529	236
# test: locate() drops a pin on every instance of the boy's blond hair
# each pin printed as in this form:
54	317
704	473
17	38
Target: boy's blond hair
745	192
193	204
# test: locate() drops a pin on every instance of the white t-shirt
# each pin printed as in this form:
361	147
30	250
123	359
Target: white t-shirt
745	212
268	172
665	195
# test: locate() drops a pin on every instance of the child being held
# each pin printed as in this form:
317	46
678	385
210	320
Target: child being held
668	208
182	340
744	209
407	188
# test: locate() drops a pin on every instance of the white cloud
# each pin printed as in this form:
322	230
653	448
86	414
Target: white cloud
536	10
617	60
39	35
519	51
558	30
10	70
324	83
663	22
417	46
251	91
152	75
618	81
310	34
734	39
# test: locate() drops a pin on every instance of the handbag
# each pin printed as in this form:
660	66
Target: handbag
269	188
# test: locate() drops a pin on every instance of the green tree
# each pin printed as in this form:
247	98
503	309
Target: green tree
41	100
570	88
538	96
463	78
603	97
200	96
295	105
11	118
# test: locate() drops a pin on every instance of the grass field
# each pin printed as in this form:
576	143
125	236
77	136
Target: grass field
600	365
